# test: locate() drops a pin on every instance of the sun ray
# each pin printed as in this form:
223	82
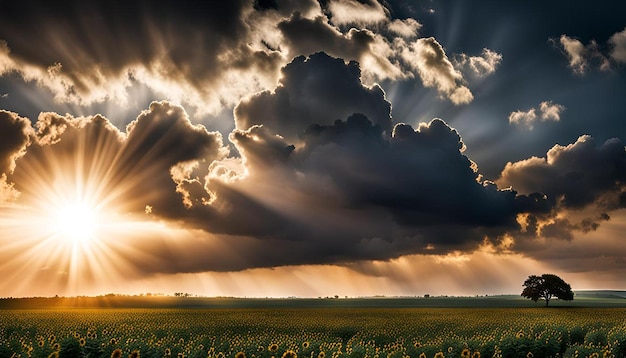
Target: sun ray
72	208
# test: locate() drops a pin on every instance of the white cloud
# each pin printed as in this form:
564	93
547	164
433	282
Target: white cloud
6	64
523	117
405	28
346	12
461	95
575	51
428	58
618	41
547	111
581	58
482	65
550	111
8	193
371	50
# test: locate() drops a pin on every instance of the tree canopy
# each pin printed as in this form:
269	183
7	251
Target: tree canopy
545	287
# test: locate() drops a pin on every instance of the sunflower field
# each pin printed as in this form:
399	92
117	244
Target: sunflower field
314	332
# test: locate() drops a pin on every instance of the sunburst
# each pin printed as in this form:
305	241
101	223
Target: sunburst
75	221
70	222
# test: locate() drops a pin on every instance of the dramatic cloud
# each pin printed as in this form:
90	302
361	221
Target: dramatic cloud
207	56
412	161
16	135
422	189
576	175
324	189
480	66
87	53
311	169
548	111
618	41
150	164
428	58
322	177
315	90
307	36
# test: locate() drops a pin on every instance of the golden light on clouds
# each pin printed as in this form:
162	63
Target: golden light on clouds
411	275
57	232
314	159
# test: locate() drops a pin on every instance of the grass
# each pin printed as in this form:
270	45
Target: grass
600	299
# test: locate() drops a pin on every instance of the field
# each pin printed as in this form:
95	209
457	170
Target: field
328	330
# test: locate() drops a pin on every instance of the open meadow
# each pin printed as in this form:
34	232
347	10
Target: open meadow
326	328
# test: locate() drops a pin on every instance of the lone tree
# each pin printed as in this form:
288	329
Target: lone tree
547	286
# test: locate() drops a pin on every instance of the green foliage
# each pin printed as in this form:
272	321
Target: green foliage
617	340
313	333
595	337
545	287
577	334
71	348
584	351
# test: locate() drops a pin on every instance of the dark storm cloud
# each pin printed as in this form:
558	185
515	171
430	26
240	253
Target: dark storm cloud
112	34
314	90
420	175
583	183
347	189
348	192
323	175
575	175
326	179
561	228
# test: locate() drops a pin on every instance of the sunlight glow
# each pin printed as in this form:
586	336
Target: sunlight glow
71	225
76	222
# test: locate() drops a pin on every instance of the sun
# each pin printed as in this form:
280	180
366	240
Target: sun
76	222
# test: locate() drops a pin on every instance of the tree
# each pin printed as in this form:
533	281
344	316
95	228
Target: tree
547	286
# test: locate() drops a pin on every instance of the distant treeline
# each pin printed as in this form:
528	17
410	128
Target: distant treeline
583	299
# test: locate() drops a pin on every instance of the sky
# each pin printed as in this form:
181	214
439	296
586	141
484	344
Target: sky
276	148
